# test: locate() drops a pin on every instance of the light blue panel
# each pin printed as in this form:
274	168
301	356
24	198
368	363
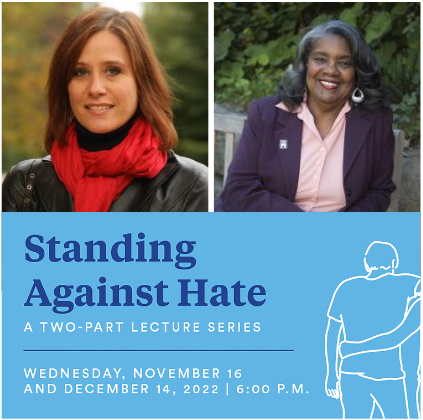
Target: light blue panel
299	259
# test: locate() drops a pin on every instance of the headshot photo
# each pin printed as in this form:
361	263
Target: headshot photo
105	109
317	107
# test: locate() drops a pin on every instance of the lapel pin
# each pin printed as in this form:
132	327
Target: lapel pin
283	144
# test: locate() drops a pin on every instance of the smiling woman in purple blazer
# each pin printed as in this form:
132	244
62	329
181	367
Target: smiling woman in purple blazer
325	143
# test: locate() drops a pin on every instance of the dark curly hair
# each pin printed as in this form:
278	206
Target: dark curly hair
367	72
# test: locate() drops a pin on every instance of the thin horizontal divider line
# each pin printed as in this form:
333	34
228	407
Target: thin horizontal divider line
166	350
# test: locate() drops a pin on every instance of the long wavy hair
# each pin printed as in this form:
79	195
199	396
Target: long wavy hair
367	69
154	95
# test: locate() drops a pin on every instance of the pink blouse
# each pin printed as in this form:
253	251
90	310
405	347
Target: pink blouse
320	183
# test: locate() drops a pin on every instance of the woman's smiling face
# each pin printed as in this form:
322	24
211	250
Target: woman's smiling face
103	92
330	76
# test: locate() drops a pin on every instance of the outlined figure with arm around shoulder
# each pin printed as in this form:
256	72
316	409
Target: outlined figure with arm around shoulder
397	337
386	341
365	308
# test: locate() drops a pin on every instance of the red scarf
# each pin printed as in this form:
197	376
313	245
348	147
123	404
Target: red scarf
96	179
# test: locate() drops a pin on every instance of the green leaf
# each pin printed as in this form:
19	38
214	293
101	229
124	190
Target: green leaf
223	81
288	26
221	45
399	9
350	15
263	59
377	27
241	83
262	35
231	70
385	53
322	18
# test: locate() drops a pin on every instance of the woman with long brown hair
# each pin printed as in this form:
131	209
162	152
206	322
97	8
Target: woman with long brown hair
110	128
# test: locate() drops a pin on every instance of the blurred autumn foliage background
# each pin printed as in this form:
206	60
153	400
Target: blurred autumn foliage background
256	42
179	32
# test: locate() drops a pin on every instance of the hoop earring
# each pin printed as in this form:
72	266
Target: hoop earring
357	96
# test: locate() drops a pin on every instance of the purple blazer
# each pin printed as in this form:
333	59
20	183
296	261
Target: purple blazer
263	177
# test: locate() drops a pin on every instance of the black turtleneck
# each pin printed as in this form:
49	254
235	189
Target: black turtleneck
94	142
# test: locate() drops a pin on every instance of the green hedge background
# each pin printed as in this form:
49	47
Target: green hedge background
256	42
178	31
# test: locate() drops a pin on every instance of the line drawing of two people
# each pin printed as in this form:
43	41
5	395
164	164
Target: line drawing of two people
372	344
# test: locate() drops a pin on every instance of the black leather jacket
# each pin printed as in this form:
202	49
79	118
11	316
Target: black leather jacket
33	185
